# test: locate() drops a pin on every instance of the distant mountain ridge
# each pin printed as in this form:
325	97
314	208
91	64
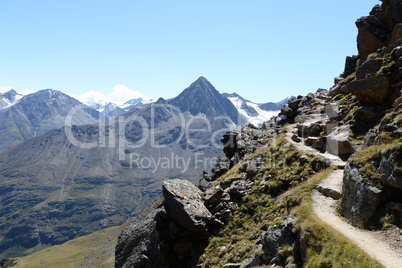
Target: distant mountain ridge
66	190
24	117
27	116
255	113
9	98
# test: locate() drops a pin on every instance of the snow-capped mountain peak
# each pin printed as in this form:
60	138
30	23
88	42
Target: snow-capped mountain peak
9	99
255	113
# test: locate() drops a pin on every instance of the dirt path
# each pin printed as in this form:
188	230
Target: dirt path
325	208
332	159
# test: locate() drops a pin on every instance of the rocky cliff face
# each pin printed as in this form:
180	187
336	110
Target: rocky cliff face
359	119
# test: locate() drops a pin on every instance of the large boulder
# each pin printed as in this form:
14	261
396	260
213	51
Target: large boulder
390	13
368	68
338	141
371	91
139	243
274	239
359	199
185	205
350	66
371	37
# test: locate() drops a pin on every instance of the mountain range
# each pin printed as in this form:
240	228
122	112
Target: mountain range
24	117
88	175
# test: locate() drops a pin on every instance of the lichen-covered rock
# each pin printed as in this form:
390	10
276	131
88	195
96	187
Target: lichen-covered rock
359	199
185	205
371	91
275	238
368	68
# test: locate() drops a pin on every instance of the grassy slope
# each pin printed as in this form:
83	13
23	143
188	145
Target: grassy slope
94	250
266	204
260	209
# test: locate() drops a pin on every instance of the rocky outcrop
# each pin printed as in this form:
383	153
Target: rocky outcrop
380	28
274	239
360	199
236	144
184	204
371	91
372	36
139	243
167	233
368	68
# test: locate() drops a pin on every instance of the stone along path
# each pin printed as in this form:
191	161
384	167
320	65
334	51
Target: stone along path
324	201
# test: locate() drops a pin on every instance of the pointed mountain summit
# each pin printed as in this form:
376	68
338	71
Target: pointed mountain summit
9	98
10	95
202	97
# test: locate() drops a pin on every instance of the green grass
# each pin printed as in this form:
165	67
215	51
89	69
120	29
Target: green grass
95	250
364	160
258	210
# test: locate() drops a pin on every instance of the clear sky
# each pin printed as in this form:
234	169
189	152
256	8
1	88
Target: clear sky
263	50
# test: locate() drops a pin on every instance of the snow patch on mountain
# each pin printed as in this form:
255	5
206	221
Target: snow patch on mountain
251	112
9	98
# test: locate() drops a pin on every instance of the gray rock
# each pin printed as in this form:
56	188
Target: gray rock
294	104
139	243
310	140
350	65
251	262
296	138
239	188
310	128
359	199
319	144
252	168
337	89
216	195
371	36
368	68
332	110
329	192
204	185
338	141
286	110
387	170
371	91
185	205
275	238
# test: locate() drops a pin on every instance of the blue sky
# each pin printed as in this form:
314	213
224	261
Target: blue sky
263	50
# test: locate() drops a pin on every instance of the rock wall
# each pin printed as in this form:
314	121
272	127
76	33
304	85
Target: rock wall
360	199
